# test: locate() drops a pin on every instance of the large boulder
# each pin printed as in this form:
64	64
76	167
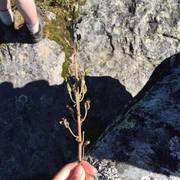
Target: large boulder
23	63
32	143
144	143
127	39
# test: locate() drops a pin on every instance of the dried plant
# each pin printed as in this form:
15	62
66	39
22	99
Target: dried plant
76	87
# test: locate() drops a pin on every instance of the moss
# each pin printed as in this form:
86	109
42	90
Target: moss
127	123
57	29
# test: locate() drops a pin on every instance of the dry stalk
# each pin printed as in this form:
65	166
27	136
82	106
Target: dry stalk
76	88
77	91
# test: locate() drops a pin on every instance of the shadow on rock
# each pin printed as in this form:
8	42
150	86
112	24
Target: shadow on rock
11	35
145	140
108	98
32	143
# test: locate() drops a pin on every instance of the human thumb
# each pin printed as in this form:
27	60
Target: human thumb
79	173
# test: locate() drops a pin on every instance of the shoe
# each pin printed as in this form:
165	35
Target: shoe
35	38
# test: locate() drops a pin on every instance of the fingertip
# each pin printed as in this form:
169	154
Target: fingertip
78	173
89	177
65	171
89	168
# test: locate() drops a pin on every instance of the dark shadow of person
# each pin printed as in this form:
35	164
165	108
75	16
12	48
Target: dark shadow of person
32	143
12	35
147	134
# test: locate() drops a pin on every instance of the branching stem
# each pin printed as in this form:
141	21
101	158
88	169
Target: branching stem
73	134
77	90
65	123
85	115
78	113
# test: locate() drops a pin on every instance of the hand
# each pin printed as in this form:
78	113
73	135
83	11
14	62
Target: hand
76	171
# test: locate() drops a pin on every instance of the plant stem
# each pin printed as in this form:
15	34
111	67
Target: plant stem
80	140
78	109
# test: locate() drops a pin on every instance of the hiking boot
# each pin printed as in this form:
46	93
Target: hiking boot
39	35
35	38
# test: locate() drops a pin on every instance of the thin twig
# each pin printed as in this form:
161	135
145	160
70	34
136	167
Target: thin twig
85	114
73	134
70	95
65	123
83	147
71	112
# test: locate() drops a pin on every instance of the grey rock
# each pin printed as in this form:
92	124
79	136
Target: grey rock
127	39
50	15
174	146
32	143
144	142
33	99
23	63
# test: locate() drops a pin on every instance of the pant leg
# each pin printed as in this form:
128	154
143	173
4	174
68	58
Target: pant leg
6	14
5	4
28	10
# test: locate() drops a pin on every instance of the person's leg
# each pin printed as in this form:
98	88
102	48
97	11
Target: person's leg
29	12
6	15
5	4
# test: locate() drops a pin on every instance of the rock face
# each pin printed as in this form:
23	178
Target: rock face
32	143
23	63
144	143
127	39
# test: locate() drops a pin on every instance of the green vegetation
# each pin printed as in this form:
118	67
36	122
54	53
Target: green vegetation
64	3
57	29
53	2
60	29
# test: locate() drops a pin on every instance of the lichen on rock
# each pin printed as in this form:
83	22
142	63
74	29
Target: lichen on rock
127	39
149	148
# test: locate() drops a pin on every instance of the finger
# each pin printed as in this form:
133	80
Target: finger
78	173
89	177
64	173
89	169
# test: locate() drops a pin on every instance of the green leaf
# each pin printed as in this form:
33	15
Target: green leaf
69	89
